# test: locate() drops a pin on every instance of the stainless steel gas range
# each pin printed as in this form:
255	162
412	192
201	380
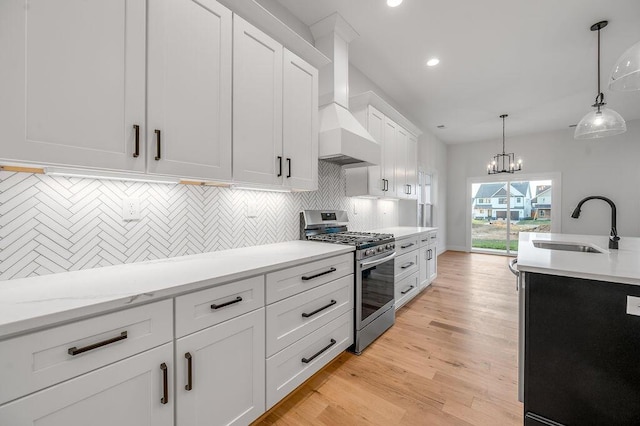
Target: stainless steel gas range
374	270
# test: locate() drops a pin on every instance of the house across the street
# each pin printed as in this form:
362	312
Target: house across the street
490	202
541	203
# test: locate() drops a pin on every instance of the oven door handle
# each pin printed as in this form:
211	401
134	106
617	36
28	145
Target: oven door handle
377	262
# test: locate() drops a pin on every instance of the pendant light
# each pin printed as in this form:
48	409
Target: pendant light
626	73
504	163
602	121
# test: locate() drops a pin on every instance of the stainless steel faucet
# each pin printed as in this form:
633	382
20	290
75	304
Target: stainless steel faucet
613	235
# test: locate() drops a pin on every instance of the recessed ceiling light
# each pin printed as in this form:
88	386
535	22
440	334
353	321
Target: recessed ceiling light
393	3
433	62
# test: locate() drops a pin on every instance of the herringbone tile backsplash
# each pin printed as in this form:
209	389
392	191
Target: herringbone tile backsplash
54	224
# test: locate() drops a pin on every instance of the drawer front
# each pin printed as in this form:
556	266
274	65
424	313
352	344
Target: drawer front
406	289
285	283
425	239
433	238
37	360
406	264
286	370
291	319
408	244
199	310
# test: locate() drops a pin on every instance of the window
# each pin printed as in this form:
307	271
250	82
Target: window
481	211
541	213
519	200
502	201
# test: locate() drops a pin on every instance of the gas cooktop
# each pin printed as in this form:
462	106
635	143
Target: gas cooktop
359	239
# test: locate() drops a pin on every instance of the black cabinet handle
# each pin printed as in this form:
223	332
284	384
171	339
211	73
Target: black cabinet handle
75	351
189	359
406	246
430	254
136	129
310	314
165	383
308	360
406	265
408	290
305	278
279	166
158	147
222	305
289	165
385	185
424	241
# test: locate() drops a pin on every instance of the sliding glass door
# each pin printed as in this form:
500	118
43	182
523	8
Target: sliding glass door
500	210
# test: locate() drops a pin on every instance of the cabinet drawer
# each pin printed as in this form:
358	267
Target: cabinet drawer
425	239
295	280
408	244
199	310
406	264
37	360
291	319
406	289
287	369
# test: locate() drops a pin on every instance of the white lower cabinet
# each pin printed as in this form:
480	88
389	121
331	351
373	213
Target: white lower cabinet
132	392
290	367
220	376
423	275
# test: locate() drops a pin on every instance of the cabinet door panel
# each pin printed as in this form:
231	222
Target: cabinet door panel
76	84
376	128
228	371
126	393
424	267
402	140
300	123
390	156
190	88
411	167
257	105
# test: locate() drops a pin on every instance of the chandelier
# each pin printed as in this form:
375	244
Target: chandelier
504	163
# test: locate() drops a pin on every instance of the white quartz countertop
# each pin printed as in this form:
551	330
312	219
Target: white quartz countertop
31	303
621	265
403	231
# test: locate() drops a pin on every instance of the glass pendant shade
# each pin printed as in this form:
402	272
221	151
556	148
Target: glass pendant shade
626	73
600	123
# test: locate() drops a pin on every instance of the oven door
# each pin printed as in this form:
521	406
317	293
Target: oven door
374	287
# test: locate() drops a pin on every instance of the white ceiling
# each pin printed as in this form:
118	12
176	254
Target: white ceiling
532	59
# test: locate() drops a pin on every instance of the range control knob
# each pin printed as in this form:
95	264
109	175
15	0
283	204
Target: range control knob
380	248
389	246
369	252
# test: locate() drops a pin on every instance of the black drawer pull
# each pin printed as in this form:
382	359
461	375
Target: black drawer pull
407	245
406	265
280	166
289	164
305	278
222	305
165	383
158	145
77	351
136	129
317	354
189	359
310	314
408	290
424	241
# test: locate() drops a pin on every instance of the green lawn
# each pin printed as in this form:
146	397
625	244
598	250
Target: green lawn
495	244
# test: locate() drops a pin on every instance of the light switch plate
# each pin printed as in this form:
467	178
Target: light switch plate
252	208
633	305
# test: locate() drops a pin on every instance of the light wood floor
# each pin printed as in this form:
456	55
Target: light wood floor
450	359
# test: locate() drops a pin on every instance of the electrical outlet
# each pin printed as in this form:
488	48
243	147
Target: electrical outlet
252	208
131	209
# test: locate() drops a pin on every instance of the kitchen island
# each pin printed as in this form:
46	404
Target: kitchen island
579	328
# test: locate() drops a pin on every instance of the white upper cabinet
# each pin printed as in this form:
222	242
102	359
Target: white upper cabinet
390	161
402	141
376	128
411	170
257	106
189	83
300	123
73	82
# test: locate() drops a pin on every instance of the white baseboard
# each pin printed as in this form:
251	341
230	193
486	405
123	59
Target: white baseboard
457	248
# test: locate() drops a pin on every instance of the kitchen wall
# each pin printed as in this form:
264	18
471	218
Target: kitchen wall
608	167
54	224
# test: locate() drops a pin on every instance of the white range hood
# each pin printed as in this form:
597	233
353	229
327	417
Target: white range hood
342	139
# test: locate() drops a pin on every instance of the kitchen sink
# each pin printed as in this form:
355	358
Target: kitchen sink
566	246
